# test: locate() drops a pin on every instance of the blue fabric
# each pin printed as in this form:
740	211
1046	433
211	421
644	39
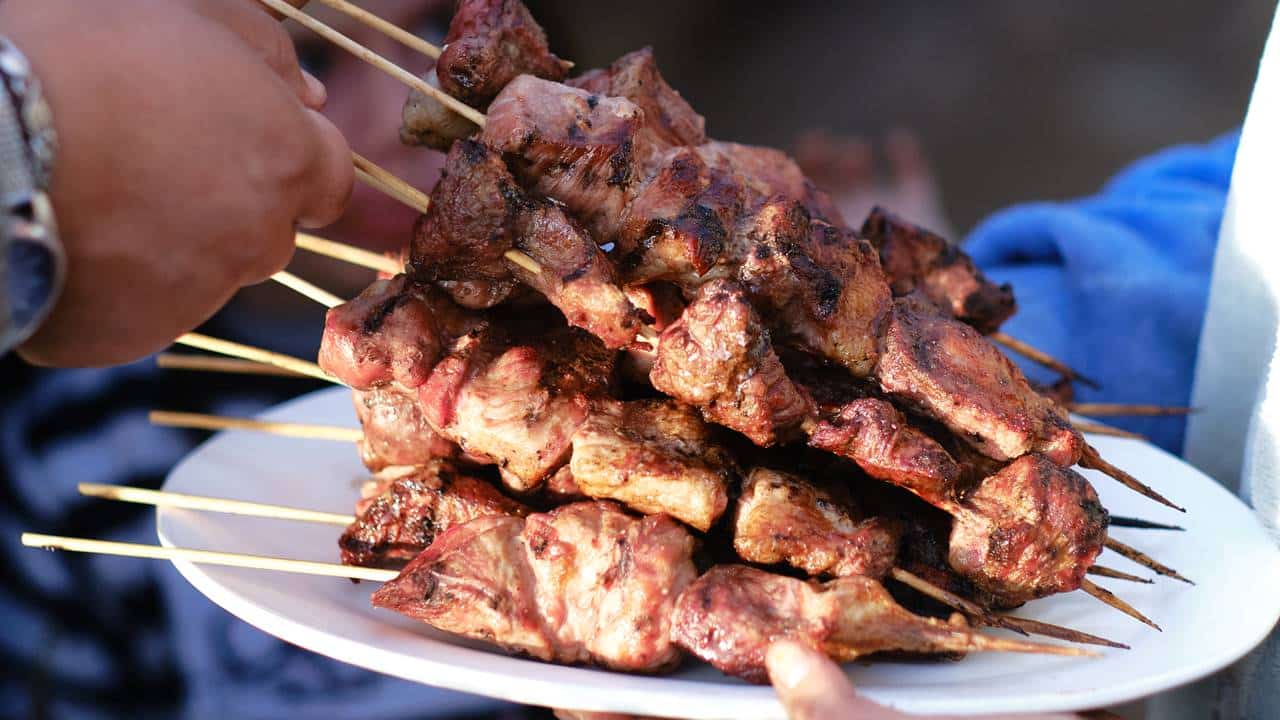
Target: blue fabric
1116	284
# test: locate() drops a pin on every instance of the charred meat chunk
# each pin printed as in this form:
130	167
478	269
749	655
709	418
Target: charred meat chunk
915	259
718	356
1028	531
783	518
407	512
489	43
584	583
395	432
635	76
655	456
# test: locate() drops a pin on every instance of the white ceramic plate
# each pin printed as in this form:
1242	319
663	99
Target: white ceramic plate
1233	606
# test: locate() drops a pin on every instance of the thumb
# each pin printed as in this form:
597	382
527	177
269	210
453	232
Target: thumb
812	687
327	185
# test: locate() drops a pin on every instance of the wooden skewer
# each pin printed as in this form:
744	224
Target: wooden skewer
1144	560
349	254
159	498
379	178
1100	429
248	352
374	59
207	557
207	363
985	617
1042	358
1108	409
1140	524
221	422
1092	460
297	284
1102	571
1109	598
391	30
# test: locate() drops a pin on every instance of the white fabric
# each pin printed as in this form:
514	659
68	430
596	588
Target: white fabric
1235	437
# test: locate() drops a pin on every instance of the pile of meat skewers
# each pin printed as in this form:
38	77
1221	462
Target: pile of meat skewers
640	393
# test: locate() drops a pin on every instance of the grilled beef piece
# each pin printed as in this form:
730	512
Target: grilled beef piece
516	400
915	259
656	456
392	332
478	214
489	43
945	370
584	583
770	173
424	120
395	432
875	435
731	615
783	518
409	510
635	76
1028	531
582	149
718	356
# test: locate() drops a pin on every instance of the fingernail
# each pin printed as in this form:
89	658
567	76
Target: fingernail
316	90
789	664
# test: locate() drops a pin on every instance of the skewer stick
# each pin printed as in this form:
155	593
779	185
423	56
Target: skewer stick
382	179
1102	571
297	284
391	30
1144	560
248	352
1106	409
158	498
1042	358
1100	429
207	557
374	59
207	363
1109	598
221	422
1140	524
985	617
349	254
1092	460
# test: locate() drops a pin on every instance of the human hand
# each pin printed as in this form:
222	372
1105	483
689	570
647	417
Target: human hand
189	148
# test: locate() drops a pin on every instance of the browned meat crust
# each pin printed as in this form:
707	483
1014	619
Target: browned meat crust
407	511
718	356
656	456
732	614
395	432
1028	531
783	518
584	583
635	76
945	370
915	259
489	43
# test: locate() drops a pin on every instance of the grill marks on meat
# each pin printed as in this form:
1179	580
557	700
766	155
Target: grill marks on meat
783	518
947	371
769	172
635	76
915	259
876	436
489	43
584	583
718	356
656	456
392	332
478	213
395	432
517	402
577	147
1028	531
730	616
407	512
